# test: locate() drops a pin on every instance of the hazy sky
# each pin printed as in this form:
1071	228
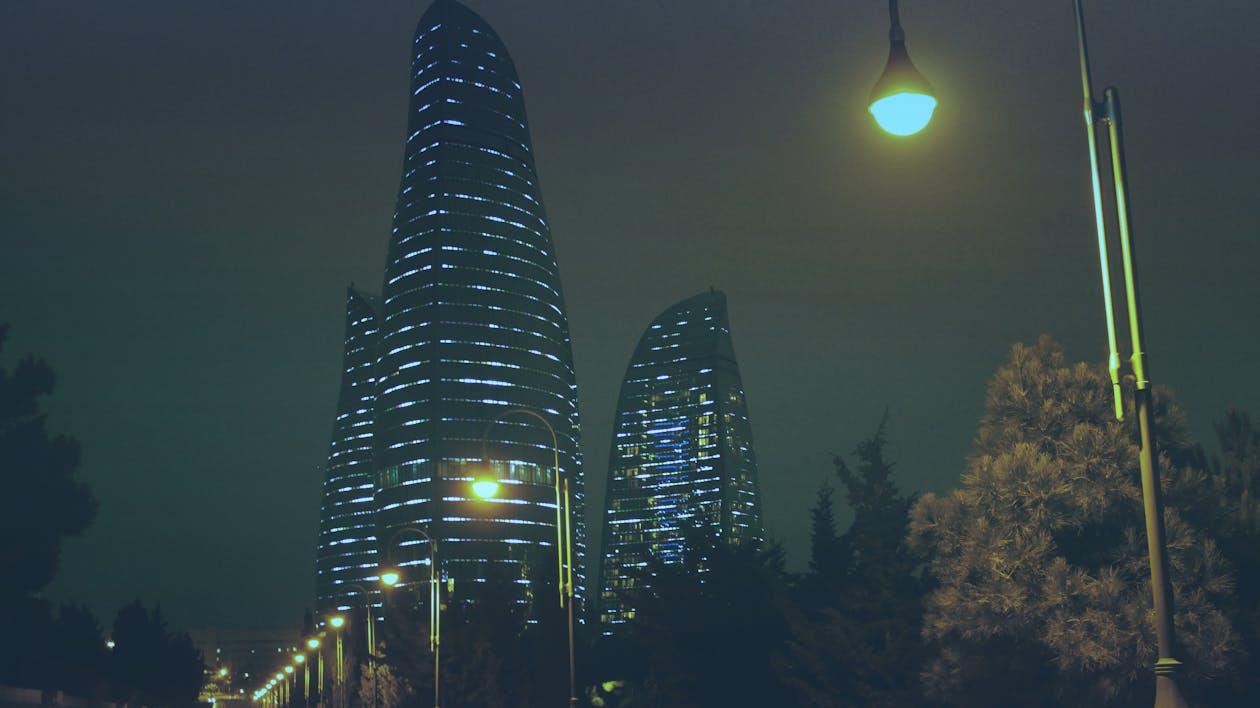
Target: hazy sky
187	188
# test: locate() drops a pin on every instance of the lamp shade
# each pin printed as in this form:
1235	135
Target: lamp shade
902	101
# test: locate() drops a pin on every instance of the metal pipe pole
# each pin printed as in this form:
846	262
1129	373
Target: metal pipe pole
1167	667
435	610
564	536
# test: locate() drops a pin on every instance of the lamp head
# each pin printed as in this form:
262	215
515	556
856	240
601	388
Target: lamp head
390	577
312	643
337	621
485	488
484	484
902	101
300	658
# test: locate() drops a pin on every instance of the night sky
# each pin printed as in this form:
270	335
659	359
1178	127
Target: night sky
187	188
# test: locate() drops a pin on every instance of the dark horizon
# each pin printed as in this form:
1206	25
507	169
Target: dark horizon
193	186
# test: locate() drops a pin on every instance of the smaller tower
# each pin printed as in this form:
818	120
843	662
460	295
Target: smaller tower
682	451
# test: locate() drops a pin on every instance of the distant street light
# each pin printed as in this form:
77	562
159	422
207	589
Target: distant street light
1167	667
337	622
486	487
390	577
371	639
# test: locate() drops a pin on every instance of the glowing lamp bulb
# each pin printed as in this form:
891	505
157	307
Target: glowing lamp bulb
337	622
312	643
485	488
903	113
300	658
390	578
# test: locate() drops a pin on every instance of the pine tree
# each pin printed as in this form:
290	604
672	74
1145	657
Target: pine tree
42	503
825	558
1041	559
856	640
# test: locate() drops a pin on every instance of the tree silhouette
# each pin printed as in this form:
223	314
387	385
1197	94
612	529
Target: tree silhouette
40	506
709	626
42	503
856	635
151	666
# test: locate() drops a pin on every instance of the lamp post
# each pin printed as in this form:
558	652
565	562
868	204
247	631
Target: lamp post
337	622
300	659
1097	115
371	640
486	488
313	644
391	577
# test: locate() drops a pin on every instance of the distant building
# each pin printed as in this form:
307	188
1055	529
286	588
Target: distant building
347	518
682	451
472	325
246	656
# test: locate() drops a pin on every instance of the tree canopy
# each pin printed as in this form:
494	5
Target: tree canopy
42	502
1040	556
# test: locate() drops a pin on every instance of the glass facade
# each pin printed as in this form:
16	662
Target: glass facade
347	519
473	325
682	451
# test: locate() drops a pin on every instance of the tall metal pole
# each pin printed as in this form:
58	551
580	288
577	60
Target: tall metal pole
435	608
339	693
371	639
564	537
1167	667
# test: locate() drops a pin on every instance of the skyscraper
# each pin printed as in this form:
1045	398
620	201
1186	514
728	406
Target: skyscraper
473	323
682	451
347	519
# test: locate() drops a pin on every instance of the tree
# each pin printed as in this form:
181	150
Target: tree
856	639
1043	595
42	503
825	550
78	653
151	666
709	627
40	506
1226	503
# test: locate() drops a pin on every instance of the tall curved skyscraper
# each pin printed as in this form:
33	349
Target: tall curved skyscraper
682	451
473	324
347	518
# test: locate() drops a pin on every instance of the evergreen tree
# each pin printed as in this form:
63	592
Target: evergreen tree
42	503
151	666
825	558
1041	558
708	628
856	640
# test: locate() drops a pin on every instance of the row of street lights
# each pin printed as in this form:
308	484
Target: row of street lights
276	692
279	688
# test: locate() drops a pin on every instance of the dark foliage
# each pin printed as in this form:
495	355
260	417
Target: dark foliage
494	651
708	627
856	632
1040	558
42	503
151	666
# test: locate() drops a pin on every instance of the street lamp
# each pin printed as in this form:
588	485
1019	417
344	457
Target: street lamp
391	576
371	640
902	100
337	622
485	487
1097	114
